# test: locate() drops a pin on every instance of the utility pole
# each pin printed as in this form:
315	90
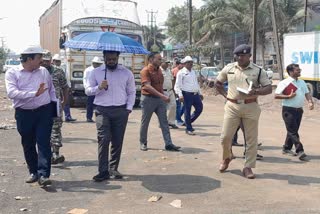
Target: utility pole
305	15
152	22
276	39
190	21
254	36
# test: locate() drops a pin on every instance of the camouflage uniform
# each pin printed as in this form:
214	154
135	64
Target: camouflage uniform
60	83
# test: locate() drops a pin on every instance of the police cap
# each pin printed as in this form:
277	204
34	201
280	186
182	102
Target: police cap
242	49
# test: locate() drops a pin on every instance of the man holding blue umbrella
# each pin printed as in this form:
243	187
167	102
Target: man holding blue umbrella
114	89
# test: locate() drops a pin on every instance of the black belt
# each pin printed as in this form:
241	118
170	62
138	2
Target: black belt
113	107
149	95
194	93
167	89
292	108
33	110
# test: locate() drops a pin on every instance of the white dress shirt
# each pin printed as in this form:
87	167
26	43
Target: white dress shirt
86	77
186	81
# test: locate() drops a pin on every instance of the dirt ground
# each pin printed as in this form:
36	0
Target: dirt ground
284	184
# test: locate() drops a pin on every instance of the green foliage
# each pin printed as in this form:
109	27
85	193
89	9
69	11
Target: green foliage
216	20
153	38
3	57
177	23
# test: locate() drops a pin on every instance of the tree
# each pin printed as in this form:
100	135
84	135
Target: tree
3	57
177	23
153	38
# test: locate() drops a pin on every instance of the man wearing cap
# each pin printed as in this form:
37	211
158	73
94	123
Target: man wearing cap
31	89
153	100
96	62
114	88
62	92
188	90
179	105
168	91
242	106
56	60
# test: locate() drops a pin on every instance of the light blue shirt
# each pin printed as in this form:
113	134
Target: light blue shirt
298	100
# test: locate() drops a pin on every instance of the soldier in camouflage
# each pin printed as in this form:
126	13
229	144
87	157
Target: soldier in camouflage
62	90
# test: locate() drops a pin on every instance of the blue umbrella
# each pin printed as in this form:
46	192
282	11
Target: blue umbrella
100	41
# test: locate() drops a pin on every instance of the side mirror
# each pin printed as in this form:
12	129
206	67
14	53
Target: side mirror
62	40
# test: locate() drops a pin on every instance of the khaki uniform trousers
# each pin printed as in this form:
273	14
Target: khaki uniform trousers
249	115
171	107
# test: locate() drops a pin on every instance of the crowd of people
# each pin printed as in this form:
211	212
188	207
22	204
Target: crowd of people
39	90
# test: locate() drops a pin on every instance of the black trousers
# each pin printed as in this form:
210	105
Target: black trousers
35	127
292	119
111	124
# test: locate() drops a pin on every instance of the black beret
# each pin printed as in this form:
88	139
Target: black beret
242	49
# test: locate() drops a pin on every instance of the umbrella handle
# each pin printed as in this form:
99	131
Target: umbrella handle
105	77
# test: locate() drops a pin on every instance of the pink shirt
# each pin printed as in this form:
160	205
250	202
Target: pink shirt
121	87
23	85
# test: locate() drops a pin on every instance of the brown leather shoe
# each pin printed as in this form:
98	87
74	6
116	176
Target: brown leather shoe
224	165
247	173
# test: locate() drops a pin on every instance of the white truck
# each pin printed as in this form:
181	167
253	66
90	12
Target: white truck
68	18
304	49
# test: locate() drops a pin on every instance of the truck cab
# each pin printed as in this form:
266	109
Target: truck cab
67	19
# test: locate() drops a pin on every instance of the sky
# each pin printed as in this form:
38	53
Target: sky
19	19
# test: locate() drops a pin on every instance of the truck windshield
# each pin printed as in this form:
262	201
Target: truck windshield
132	36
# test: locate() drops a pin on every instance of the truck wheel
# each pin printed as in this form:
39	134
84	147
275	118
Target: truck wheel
311	89
71	101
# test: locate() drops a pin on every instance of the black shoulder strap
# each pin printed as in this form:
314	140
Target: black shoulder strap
259	76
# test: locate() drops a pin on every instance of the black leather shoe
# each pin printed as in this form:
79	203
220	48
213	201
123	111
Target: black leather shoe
57	159
70	120
173	126
172	147
236	144
101	177
90	121
43	181
32	178
114	174
143	147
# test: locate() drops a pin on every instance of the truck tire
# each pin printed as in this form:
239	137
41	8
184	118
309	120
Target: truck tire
312	89
71	101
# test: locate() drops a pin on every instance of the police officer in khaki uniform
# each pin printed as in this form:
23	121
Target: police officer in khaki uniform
242	106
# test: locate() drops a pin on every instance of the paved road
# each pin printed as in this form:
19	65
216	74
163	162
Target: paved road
283	185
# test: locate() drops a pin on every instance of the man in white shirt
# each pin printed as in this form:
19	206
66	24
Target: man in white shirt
96	62
168	91
292	109
57	61
188	90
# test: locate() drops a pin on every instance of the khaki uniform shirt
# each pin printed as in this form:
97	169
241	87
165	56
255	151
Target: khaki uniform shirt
168	78
238	77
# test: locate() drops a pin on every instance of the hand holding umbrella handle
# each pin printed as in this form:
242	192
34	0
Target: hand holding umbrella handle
103	85
105	78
